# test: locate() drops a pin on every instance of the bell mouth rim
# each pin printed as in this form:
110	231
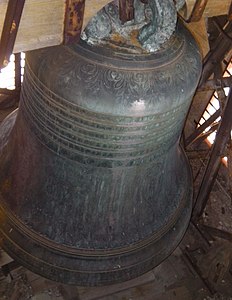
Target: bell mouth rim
102	55
85	277
14	224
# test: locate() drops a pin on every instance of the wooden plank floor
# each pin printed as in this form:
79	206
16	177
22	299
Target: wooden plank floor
169	281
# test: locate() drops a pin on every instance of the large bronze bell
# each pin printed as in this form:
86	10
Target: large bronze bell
95	188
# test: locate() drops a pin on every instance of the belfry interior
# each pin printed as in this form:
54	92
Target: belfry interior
200	266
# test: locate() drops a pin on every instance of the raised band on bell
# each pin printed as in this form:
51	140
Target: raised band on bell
95	187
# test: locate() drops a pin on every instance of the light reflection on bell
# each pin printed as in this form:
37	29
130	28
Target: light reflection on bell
95	188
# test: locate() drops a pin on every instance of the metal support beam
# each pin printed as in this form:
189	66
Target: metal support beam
218	150
73	20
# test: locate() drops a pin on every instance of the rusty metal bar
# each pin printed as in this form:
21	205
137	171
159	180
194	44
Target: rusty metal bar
73	20
126	10
10	29
218	149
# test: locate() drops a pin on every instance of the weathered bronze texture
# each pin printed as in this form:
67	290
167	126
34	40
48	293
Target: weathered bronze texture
161	26
95	188
154	23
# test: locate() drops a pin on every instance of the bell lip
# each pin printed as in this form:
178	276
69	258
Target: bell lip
65	249
83	277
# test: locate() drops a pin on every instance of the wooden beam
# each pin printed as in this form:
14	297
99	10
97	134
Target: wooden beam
42	23
199	31
213	7
10	29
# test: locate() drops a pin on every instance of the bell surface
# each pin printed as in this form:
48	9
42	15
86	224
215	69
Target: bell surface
95	188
